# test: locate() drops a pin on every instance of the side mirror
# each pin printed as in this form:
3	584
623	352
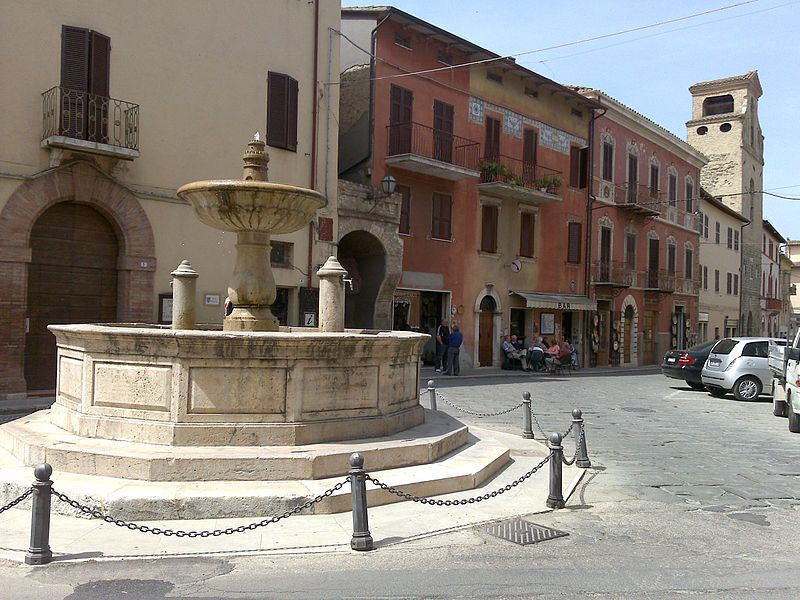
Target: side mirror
794	354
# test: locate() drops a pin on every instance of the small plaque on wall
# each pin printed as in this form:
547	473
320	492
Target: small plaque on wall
211	300
165	308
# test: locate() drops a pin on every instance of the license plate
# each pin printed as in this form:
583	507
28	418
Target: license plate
670	360
715	362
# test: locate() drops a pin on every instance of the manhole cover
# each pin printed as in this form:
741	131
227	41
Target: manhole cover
523	532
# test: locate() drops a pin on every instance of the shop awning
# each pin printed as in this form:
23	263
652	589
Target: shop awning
557	301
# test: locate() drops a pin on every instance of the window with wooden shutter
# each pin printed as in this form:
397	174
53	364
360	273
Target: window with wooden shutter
578	164
405	208
687	267
85	83
282	111
489	229
608	161
574	242
441	216
671	259
526	234
491	150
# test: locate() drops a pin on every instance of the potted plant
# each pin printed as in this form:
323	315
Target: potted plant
548	183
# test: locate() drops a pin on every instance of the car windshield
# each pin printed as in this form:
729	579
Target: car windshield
724	346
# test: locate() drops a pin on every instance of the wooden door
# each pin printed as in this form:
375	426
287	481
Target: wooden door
627	340
443	131
491	150
604	318
605	254
400	119
652	265
529	156
649	337
486	332
72	278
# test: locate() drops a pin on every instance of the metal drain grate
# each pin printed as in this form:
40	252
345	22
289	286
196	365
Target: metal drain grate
523	532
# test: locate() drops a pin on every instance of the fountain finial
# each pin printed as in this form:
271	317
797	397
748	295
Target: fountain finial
255	160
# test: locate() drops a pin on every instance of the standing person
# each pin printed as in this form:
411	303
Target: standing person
454	350
442	336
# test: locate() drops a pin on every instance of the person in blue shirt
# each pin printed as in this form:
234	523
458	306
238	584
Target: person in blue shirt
453	350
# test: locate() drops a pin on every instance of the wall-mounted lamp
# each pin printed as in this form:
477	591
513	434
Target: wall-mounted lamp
387	188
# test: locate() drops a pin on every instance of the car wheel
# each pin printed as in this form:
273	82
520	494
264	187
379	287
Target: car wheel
717	393
696	386
747	388
794	419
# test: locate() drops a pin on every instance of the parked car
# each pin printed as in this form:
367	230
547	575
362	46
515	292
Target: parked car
687	364
739	365
786	383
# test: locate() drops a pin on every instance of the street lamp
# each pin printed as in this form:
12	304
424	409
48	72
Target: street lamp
386	189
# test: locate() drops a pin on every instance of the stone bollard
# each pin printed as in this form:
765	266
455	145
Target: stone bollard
556	498
361	540
527	429
184	286
331	296
582	458
39	551
432	394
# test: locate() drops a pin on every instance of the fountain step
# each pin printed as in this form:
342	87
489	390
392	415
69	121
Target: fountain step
461	470
34	440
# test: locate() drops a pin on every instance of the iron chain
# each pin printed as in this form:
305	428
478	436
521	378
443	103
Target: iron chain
544	435
463	501
205	533
578	443
16	501
478	414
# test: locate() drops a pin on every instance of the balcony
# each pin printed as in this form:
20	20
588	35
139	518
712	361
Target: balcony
613	275
422	149
639	199
773	304
659	280
84	122
510	178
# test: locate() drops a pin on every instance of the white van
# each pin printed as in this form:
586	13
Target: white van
786	387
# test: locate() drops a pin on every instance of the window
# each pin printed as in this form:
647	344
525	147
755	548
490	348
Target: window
705	278
402	40
491	149
673	189
443	131
405	208
85	61
529	91
689	197
771	249
444	58
633	178
654	174
281	254
716	280
401	108
736	240
526	234
574	242
763	244
494	76
716	232
671	258
705	226
325	229
717	105
489	228
630	251
730	284
441	216
687	266
578	161
736	284
281	111
730	237
608	161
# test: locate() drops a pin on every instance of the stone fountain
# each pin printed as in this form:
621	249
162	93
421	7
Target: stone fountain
183	413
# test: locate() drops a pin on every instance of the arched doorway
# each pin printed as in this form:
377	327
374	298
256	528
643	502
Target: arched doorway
364	258
627	332
488	307
72	278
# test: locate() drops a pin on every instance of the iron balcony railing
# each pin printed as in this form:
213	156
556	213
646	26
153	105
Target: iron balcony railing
436	144
659	279
513	171
641	194
612	272
84	116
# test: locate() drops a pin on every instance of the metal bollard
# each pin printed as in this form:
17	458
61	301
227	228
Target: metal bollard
582	458
361	540
527	430
556	498
432	394
39	552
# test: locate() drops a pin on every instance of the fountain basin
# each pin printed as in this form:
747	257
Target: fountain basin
210	388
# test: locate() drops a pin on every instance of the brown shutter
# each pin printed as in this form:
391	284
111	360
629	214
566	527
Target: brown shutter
574	243
489	232
277	102
291	114
75	58
583	168
100	63
574	166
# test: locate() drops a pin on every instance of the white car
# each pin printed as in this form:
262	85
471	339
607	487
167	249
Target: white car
739	365
786	395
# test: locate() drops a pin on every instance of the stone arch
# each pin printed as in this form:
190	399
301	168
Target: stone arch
496	324
83	183
632	337
364	257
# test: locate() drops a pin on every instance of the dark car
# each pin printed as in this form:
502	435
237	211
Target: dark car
687	364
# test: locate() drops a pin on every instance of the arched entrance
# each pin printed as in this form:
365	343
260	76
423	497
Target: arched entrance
627	333
488	307
72	278
364	258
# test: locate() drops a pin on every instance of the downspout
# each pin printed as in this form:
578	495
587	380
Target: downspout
314	107
588	251
373	42
741	278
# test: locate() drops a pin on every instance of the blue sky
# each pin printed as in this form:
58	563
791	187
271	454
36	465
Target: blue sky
651	70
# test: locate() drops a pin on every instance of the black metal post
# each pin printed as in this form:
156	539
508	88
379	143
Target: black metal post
556	498
39	552
527	430
432	394
361	540
582	458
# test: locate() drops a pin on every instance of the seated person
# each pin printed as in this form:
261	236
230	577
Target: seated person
536	354
516	343
551	356
573	354
511	352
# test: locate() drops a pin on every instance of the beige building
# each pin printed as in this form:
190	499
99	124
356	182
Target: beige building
115	106
726	129
771	295
792	253
719	277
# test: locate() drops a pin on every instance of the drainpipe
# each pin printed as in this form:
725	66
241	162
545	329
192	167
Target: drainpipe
373	43
314	107
741	277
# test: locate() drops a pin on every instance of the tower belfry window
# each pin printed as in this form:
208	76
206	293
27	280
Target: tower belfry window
717	105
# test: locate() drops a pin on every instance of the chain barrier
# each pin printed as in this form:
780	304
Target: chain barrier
477	414
16	501
193	534
545	435
578	443
463	501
